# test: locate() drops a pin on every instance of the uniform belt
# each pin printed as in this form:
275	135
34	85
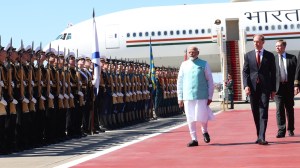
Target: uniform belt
283	83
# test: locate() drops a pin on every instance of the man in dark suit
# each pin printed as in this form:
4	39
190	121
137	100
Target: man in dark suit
284	98
259	77
297	77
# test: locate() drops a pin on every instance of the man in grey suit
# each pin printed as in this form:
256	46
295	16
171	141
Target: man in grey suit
259	77
285	76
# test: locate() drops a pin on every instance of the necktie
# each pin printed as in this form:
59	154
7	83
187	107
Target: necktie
282	70
258	58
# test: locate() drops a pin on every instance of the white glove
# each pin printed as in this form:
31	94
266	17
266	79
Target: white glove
80	83
51	83
51	96
15	101
114	95
25	100
60	96
114	85
3	102
66	96
66	85
42	83
1	84
127	94
25	84
60	84
130	93
13	85
71	95
129	84
121	85
43	98
80	93
33	100
71	84
32	83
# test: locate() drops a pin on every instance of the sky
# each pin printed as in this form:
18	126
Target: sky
42	21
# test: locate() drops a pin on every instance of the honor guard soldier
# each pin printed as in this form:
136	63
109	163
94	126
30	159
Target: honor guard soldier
159	93
100	99
110	96
131	92
3	103
20	93
127	93
61	95
82	82
13	134
49	73
148	90
71	80
114	89
119	81
88	115
39	91
28	117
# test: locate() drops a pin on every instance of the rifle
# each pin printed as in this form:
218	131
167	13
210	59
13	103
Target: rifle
39	79
48	79
12	106
30	86
68	80
58	81
25	108
119	83
113	85
2	105
63	75
78	76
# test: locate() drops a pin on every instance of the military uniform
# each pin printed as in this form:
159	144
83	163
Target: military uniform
3	105
39	118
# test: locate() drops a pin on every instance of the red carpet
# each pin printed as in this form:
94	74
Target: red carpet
232	145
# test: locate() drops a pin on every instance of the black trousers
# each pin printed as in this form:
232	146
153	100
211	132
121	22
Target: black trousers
284	99
259	100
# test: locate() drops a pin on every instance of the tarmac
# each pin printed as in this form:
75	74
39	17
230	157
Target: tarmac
126	146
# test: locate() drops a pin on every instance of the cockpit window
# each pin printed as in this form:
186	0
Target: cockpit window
58	37
69	36
63	36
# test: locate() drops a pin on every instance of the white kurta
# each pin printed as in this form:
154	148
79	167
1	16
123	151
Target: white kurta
197	110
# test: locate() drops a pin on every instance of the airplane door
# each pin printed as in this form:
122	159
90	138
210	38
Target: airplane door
112	37
232	29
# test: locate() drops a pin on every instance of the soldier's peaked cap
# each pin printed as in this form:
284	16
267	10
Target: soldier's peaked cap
71	54
51	51
8	47
37	49
81	57
28	48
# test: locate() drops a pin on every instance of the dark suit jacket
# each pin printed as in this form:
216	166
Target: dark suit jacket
297	75
291	63
266	72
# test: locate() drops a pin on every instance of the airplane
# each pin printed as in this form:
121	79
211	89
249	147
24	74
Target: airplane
126	34
222	31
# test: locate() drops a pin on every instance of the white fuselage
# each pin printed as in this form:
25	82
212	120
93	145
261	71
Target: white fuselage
126	34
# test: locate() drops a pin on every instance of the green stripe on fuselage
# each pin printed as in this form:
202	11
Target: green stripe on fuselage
166	44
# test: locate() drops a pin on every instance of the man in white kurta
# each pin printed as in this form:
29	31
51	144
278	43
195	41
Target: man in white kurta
195	90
